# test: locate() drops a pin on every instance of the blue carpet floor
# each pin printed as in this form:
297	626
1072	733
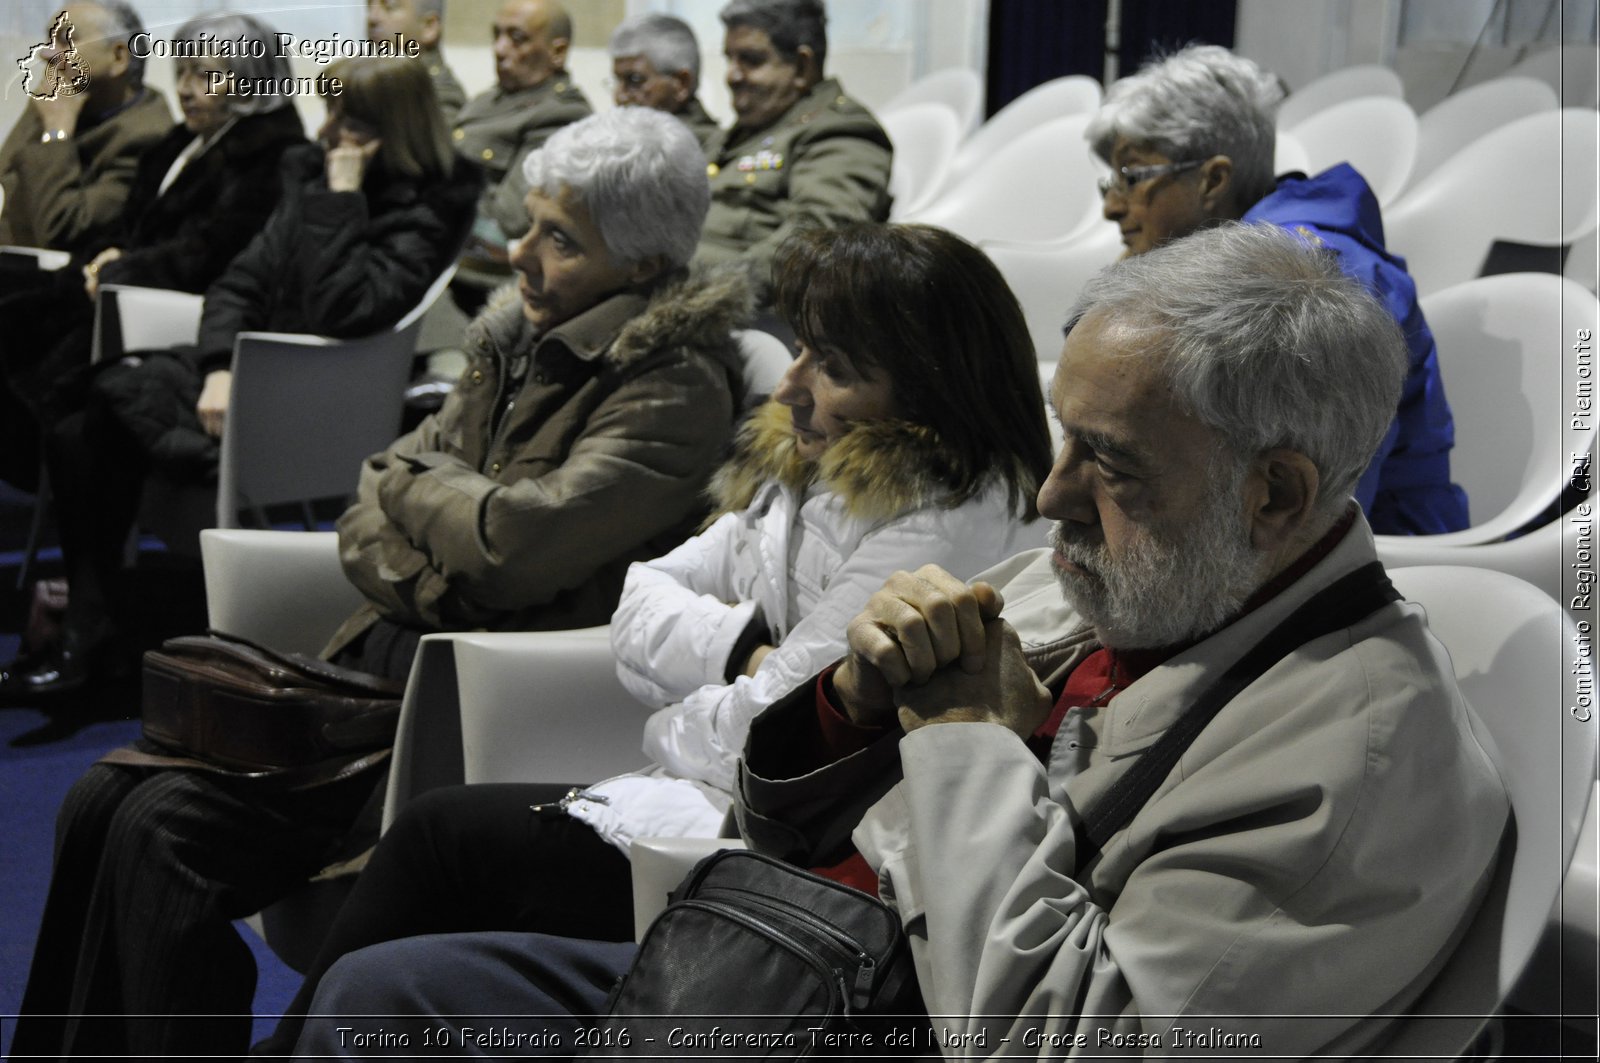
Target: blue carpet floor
41	754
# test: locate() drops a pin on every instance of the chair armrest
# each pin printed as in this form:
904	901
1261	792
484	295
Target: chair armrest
545	706
45	259
130	318
285	590
659	865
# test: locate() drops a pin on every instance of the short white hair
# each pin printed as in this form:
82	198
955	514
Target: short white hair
666	43
1267	341
1198	102
639	173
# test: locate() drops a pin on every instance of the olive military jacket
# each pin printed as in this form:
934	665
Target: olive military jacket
446	88
699	120
69	194
824	162
497	129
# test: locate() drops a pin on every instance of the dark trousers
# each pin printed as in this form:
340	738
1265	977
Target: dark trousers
495	994
151	868
475	858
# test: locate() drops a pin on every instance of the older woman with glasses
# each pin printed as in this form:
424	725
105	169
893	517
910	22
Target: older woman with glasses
1190	140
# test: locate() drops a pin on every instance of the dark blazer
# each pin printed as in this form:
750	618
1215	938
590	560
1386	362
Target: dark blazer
184	238
339	263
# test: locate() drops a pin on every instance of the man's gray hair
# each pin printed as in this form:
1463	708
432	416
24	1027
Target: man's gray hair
432	7
790	23
121	23
1199	102
1266	341
667	43
262	59
640	174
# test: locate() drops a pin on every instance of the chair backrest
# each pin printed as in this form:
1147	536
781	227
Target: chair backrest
1458	120
1348	84
958	88
284	590
766	359
1039	188
1290	155
128	318
924	136
1569	69
1531	181
1504	348
307	410
1539	557
1508	643
1375	134
1057	98
1046	280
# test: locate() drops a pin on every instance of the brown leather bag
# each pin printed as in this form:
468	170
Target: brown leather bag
224	704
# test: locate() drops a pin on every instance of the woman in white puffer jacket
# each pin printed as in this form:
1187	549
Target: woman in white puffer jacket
909	429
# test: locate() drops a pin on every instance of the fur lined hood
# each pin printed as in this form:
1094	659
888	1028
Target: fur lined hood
879	468
698	310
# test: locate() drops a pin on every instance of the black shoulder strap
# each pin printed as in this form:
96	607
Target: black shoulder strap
1343	603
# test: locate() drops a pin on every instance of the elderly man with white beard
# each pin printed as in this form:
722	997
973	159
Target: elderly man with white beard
1291	880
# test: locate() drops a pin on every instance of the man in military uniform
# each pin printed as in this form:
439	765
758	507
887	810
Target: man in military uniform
67	166
800	152
498	128
399	21
655	62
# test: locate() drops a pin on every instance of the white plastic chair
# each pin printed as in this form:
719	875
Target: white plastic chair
1350	83
1531	181
305	411
1039	188
1057	98
42	258
1290	155
1569	69
1046	280
766	358
1458	120
1508	643
924	136
1503	350
1540	557
958	88
280	589
1375	134
659	865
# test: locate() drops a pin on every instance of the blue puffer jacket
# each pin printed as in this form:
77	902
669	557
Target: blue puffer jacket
1407	489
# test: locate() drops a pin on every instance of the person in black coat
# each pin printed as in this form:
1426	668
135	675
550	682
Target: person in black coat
366	223
198	197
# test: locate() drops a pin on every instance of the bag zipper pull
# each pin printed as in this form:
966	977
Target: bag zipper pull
565	802
861	994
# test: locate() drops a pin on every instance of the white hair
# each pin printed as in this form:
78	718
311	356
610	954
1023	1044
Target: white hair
1267	342
1198	102
639	173
667	43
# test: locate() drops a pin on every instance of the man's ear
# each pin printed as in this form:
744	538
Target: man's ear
1216	185
1280	496
558	51
807	70
428	32
120	59
681	92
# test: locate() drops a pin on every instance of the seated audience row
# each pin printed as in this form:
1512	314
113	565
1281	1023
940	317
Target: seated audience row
1203	494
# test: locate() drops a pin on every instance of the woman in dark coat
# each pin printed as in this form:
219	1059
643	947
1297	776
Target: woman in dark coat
367	221
199	196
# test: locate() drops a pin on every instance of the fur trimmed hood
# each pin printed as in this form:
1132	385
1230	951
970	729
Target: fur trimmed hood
879	468
700	310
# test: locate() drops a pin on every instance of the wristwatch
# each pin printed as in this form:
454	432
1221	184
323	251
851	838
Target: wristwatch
51	135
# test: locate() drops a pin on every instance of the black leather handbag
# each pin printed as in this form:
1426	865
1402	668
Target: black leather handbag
756	958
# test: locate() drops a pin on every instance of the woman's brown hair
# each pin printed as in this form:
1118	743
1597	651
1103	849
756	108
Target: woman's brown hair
930	311
394	96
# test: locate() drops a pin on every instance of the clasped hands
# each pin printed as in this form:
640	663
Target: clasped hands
930	649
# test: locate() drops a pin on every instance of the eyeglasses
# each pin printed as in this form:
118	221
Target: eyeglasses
1127	177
